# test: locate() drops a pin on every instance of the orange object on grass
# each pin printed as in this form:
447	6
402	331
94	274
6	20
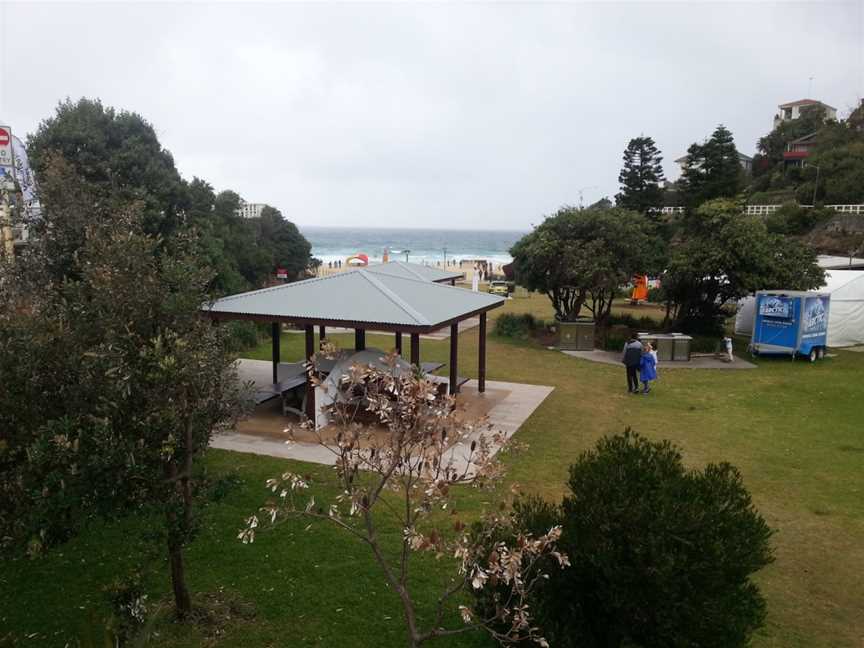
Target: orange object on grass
640	288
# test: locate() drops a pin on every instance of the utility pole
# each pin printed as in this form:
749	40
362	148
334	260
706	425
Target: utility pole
815	186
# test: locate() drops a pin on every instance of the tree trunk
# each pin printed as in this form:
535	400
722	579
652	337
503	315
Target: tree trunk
178	530
182	600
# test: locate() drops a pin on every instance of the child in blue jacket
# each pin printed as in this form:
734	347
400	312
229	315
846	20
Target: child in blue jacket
647	368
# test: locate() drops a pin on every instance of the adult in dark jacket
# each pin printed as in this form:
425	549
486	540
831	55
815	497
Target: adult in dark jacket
632	357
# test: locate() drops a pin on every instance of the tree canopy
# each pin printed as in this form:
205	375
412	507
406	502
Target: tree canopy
712	170
582	256
721	255
121	163
641	176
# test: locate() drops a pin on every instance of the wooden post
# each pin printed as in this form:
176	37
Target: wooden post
481	361
310	390
399	342
454	358
322	333
415	349
359	339
452	282
275	332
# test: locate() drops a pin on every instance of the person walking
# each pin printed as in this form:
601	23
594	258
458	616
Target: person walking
632	358
647	368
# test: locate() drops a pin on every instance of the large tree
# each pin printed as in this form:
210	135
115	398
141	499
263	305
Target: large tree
721	255
641	176
120	163
579	257
712	169
113	384
117	153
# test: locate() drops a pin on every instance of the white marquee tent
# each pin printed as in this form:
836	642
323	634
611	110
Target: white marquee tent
846	316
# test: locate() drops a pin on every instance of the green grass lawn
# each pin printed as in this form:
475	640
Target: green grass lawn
793	428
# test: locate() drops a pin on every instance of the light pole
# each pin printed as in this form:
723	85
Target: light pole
815	186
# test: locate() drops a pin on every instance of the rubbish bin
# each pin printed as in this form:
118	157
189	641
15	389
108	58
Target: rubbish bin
577	335
681	347
665	348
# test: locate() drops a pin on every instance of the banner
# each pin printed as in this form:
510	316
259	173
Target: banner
815	322
774	306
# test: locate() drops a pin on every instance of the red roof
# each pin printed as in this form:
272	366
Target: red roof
805	102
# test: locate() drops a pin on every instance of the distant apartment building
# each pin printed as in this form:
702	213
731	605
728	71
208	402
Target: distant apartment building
794	109
250	210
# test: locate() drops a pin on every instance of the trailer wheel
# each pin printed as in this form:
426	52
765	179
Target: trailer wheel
813	355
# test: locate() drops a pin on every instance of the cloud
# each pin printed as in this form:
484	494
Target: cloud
444	115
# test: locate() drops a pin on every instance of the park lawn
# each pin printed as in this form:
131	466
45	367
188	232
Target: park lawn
794	430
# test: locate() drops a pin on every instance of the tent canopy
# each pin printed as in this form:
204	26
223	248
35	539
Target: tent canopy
846	314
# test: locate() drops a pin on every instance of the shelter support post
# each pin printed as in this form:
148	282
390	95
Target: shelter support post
399	342
322	333
452	282
275	332
359	339
415	349
481	360
454	358
310	389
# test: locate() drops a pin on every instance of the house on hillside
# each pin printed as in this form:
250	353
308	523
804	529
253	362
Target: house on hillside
794	109
745	160
798	150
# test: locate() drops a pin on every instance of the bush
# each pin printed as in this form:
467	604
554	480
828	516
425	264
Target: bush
660	555
242	335
643	323
519	327
795	220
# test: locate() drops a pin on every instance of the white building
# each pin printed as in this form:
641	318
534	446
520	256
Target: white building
250	210
794	109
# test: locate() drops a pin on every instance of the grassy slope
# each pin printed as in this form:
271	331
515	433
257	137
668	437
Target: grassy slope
794	430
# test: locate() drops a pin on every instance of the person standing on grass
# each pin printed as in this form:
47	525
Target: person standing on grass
647	368
632	358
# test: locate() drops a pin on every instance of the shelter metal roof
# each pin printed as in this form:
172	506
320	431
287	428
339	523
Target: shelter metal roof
358	299
414	271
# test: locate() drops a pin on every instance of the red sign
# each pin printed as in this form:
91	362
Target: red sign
281	273
4	137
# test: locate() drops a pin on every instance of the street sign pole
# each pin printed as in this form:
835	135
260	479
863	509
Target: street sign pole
7	185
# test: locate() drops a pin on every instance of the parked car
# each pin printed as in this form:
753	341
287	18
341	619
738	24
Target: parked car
499	288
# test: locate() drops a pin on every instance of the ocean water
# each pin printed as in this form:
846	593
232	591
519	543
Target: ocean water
424	245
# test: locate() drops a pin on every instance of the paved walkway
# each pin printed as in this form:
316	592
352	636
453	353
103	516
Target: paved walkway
506	416
696	361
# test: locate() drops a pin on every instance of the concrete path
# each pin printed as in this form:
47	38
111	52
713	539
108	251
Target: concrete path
506	416
696	361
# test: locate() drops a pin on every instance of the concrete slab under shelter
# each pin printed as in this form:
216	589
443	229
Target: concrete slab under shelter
506	405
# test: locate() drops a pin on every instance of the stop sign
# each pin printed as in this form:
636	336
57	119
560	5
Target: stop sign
4	137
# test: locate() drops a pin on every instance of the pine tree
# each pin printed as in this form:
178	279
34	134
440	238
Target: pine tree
712	170
641	176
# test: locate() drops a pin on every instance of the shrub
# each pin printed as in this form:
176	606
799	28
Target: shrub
794	220
242	335
515	326
660	555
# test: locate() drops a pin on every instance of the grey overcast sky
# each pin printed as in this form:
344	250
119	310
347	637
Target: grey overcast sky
428	115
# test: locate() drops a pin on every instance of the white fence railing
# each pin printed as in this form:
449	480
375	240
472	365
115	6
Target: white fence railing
765	210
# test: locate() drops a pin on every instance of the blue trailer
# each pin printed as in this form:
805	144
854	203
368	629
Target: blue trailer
791	323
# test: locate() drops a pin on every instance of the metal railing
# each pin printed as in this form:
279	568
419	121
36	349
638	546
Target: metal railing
765	210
